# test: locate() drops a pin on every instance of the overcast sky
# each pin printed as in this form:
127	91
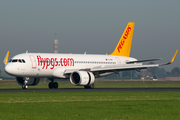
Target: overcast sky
94	26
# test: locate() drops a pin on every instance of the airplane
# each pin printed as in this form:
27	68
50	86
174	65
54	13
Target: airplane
81	69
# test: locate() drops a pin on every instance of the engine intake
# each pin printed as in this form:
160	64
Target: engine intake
82	78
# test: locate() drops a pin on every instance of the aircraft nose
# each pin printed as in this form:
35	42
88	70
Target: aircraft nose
8	69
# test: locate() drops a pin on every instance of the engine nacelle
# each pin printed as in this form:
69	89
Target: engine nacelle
82	78
31	81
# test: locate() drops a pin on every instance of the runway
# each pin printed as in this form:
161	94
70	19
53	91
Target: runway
89	90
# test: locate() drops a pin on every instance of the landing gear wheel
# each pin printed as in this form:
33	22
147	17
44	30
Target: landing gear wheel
89	86
55	85
50	85
24	86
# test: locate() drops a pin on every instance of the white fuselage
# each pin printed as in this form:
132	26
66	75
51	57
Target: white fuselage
54	65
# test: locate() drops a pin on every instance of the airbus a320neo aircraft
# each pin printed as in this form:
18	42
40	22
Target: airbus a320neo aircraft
81	69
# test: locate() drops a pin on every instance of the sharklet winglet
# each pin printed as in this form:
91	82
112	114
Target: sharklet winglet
172	60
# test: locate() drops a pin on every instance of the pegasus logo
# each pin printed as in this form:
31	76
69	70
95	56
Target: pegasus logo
123	40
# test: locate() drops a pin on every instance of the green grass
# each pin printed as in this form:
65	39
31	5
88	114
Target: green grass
141	105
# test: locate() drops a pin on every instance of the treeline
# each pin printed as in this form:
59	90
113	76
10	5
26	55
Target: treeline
137	74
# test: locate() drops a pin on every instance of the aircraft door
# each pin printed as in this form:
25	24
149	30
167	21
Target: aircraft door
118	60
33	61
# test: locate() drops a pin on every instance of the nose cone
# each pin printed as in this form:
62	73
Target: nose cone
9	69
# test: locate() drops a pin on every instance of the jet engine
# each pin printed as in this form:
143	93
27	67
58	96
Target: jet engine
82	78
30	81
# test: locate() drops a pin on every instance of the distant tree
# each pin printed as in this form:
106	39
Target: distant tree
129	73
161	71
111	76
152	70
168	72
156	70
175	70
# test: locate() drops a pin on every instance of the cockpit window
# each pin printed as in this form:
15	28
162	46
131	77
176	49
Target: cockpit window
17	60
10	60
23	61
20	61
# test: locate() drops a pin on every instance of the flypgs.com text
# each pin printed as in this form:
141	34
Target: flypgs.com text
52	62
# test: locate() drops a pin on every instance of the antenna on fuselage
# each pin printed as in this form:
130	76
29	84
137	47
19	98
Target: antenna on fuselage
26	51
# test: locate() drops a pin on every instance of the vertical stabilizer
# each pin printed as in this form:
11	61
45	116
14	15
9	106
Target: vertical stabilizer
123	48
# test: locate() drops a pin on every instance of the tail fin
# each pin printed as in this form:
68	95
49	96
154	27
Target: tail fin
6	58
123	48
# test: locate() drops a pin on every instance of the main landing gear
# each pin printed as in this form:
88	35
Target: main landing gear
89	86
53	85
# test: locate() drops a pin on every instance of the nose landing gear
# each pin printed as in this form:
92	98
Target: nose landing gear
25	86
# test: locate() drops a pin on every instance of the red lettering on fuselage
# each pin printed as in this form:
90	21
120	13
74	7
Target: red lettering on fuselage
52	62
61	61
125	36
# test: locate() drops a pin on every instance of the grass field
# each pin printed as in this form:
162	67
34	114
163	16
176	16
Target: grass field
141	105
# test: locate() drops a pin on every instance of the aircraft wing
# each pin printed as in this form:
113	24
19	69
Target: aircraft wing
172	60
114	68
139	61
122	67
136	66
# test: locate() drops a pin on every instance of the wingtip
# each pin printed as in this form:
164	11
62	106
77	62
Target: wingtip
172	60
